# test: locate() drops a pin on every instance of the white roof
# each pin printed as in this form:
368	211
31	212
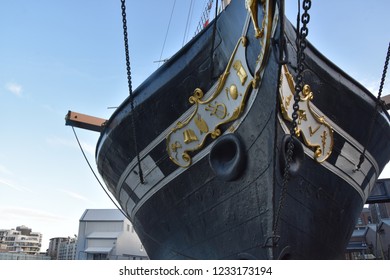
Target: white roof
102	215
103	235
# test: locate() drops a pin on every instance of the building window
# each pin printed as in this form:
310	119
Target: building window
99	256
96	256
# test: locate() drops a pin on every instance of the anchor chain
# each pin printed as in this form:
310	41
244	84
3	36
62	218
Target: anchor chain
377	105
301	46
126	41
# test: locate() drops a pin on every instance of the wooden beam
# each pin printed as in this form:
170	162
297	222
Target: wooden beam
84	121
386	99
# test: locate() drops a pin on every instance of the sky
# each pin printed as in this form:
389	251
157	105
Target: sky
60	55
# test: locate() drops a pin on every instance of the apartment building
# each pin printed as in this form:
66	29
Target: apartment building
20	240
67	249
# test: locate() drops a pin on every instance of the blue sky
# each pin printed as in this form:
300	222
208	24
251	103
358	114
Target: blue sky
65	55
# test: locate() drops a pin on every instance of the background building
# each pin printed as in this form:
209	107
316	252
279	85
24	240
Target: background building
67	249
21	240
371	237
107	234
3	248
22	256
53	246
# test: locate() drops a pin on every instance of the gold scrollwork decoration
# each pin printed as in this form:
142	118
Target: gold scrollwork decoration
209	113
315	131
212	110
252	7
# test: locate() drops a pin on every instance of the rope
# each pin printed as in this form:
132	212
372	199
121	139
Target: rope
283	53
116	205
189	18
213	41
377	104
96	177
166	34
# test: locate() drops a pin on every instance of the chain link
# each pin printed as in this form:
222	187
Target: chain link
377	105
301	46
384	73
126	41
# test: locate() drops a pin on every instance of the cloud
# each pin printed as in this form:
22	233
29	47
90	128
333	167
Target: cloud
5	170
14	213
52	110
5	175
74	195
49	108
57	141
88	148
13	185
14	88
10	184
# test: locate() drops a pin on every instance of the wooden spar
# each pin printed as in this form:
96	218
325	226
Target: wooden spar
386	99
84	121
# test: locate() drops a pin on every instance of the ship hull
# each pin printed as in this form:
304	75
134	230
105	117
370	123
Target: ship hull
200	211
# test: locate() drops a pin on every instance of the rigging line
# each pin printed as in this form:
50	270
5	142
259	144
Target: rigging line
192	17
213	42
116	205
283	52
189	17
166	34
96	177
298	27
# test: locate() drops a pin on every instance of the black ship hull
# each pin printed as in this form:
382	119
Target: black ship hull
226	197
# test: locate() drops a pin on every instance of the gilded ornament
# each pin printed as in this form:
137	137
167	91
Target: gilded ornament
219	110
201	124
301	116
189	136
241	73
252	6
197	95
175	146
315	131
233	91
216	133
216	109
